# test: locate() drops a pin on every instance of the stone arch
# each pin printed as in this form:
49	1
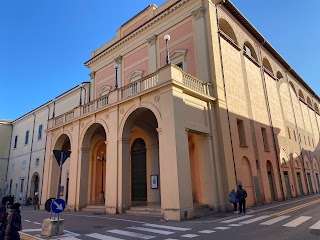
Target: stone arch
316	107
139	126
93	168
249	50
266	64
246	180
225	27
35	184
284	157
309	175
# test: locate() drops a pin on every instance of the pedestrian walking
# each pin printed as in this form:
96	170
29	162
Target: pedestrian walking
35	201
234	200
3	216
13	223
242	195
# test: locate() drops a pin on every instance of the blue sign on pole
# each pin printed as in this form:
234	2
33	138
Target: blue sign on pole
58	205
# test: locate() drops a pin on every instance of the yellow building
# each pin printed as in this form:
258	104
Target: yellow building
187	101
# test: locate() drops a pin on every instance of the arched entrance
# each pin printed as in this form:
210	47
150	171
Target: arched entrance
247	182
138	171
34	184
271	181
93	166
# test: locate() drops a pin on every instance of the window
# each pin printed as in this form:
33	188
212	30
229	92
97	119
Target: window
247	50
15	141
265	139
312	142
24	164
309	141
178	57
12	167
26	140
241	132
289	135
283	162
294	134
40	132
37	162
21	185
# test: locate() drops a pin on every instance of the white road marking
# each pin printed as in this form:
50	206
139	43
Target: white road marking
206	231
131	234
102	237
69	238
37	223
167	227
32	230
275	220
190	235
26	220
235	225
297	221
222	228
152	230
315	226
237	219
255	219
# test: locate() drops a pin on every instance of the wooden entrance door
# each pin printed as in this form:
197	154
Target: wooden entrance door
138	171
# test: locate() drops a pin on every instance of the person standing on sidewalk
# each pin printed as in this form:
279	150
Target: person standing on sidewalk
234	200
242	195
35	201
3	216
14	224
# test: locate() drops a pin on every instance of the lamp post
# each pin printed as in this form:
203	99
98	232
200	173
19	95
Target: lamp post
116	66
167	38
102	160
82	86
54	107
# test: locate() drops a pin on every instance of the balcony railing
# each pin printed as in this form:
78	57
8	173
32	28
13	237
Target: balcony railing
169	73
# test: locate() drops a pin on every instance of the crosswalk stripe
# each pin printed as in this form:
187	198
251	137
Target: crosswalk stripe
255	219
102	237
166	227
32	230
316	225
131	234
275	220
237	219
71	238
235	225
297	221
152	230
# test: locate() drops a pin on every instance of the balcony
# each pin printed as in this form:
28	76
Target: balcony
170	74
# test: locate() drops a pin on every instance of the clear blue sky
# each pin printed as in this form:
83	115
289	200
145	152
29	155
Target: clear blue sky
43	43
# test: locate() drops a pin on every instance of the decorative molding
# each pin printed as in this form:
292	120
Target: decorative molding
199	13
92	75
105	90
135	75
229	40
152	40
118	60
121	111
157	98
107	116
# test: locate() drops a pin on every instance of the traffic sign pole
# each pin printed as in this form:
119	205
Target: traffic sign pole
59	179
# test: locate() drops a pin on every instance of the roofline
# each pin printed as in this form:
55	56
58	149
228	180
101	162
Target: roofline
136	15
46	103
255	33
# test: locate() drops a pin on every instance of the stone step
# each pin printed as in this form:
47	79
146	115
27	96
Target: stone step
144	212
97	209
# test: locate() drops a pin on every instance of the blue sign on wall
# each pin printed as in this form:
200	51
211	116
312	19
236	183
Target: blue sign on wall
58	205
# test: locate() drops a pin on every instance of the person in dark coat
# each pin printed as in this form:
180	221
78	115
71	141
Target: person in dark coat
13	223
234	200
3	216
242	195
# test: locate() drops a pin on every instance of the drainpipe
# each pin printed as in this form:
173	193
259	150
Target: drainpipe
269	116
34	122
9	152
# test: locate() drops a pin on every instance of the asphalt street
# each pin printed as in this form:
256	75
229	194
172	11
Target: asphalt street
293	219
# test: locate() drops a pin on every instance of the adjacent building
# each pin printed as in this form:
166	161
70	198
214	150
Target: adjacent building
185	103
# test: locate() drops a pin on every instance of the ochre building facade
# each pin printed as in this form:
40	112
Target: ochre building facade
226	109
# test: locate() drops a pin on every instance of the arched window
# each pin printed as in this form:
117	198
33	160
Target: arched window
316	107
301	95
309	101
227	29
267	65
279	75
249	50
293	88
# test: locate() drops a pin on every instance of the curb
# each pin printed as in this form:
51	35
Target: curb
25	236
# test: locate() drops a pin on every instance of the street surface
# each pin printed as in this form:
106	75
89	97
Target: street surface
295	219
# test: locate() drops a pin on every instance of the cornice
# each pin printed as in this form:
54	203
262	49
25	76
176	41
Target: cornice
138	31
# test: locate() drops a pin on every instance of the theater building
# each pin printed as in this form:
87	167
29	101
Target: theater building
187	101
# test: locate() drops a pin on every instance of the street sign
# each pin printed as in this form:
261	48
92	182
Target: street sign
58	205
65	155
47	205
